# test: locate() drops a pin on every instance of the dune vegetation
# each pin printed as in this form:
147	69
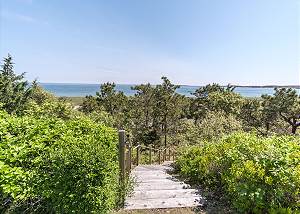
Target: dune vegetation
55	158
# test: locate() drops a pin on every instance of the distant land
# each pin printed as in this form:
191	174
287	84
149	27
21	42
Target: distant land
268	86
185	85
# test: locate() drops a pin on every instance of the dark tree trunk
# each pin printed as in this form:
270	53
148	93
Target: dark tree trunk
294	129
147	118
295	124
165	140
267	128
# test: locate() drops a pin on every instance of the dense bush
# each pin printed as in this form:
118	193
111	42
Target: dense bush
213	126
258	174
43	104
188	133
216	124
50	165
102	117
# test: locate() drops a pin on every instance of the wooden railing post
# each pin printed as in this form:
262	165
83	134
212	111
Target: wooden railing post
128	142
137	155
159	158
122	155
150	155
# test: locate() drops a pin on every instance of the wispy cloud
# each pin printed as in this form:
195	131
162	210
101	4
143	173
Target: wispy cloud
17	17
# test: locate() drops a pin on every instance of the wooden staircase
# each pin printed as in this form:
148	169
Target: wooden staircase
154	188
154	185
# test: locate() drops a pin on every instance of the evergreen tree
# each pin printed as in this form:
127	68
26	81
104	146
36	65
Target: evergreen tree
168	107
114	102
15	92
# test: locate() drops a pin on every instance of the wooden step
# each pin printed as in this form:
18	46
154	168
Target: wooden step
152	194
149	175
158	181
159	203
153	168
149	186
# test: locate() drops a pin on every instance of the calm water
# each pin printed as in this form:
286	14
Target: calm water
81	90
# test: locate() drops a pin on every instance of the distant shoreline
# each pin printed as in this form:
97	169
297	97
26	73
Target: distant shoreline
82	90
240	86
268	86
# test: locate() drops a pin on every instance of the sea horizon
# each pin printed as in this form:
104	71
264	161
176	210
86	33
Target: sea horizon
86	89
235	85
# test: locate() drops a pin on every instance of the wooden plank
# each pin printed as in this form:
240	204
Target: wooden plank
144	177
148	186
164	181
153	168
162	203
152	194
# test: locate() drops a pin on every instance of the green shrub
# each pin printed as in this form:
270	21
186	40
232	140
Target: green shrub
216	124
102	117
52	108
211	127
50	165
257	174
187	133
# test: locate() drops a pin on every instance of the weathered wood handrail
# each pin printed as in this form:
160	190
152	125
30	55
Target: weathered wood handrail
122	155
126	152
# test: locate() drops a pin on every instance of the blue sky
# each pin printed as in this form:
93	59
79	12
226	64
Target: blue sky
192	42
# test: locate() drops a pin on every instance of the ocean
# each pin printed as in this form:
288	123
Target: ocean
81	90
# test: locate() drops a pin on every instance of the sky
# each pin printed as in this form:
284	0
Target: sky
192	42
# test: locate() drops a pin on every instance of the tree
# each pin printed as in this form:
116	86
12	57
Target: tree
15	92
40	96
115	103
112	101
204	91
167	110
142	108
144	103
214	98
89	104
267	113
226	101
259	114
286	102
